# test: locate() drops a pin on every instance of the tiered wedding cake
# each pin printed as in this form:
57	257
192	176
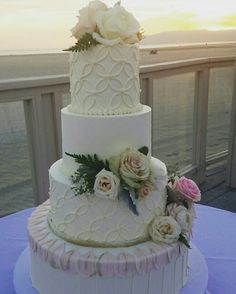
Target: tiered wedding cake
114	222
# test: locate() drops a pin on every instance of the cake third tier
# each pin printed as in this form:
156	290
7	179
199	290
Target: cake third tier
93	221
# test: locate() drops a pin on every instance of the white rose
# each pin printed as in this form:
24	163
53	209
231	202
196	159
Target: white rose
118	25
106	42
164	229
159	175
87	22
134	167
106	185
181	214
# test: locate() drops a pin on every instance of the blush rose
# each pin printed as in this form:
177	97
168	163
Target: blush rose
186	188
106	185
145	189
164	229
132	166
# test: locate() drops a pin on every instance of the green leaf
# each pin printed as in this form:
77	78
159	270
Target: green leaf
83	43
86	170
114	164
72	155
83	180
126	196
185	204
90	161
184	240
100	164
85	176
131	183
172	196
144	150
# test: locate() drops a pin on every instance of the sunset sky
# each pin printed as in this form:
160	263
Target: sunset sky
32	24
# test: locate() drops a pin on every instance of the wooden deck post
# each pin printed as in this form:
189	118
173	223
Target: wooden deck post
42	129
231	166
146	85
200	123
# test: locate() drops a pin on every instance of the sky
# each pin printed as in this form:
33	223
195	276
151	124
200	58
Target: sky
42	24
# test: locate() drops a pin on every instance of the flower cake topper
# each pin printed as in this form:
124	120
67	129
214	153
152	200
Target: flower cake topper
99	24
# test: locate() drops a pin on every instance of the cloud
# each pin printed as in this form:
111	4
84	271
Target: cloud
186	21
170	22
47	23
228	21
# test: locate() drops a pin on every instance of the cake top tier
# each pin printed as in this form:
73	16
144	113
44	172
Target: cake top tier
104	63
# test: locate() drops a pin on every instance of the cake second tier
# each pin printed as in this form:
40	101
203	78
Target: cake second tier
105	136
93	221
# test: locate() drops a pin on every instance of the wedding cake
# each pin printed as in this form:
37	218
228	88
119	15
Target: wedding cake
114	221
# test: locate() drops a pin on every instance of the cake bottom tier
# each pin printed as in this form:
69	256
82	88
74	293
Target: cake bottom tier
58	266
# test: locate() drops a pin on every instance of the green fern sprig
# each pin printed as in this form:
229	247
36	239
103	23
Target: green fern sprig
92	162
84	177
184	240
83	44
83	182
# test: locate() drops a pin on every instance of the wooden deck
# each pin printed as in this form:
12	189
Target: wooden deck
215	193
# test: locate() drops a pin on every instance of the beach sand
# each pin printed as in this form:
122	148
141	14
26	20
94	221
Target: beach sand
34	65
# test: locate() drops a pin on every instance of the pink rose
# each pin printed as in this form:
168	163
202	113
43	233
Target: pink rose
186	189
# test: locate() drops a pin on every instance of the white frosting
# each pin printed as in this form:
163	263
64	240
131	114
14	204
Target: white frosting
58	266
105	80
105	136
87	219
167	280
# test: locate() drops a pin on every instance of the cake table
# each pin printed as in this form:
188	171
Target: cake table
141	268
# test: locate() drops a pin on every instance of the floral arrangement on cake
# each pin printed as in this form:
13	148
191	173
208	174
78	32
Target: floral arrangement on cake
176	224
99	24
126	176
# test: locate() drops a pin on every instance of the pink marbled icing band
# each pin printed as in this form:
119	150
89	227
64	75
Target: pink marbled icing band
88	261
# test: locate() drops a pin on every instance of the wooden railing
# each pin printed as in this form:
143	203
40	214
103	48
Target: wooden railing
201	67
42	99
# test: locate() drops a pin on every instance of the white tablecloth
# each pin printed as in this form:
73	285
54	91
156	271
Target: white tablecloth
214	233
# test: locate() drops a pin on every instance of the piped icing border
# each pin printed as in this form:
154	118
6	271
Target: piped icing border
88	261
